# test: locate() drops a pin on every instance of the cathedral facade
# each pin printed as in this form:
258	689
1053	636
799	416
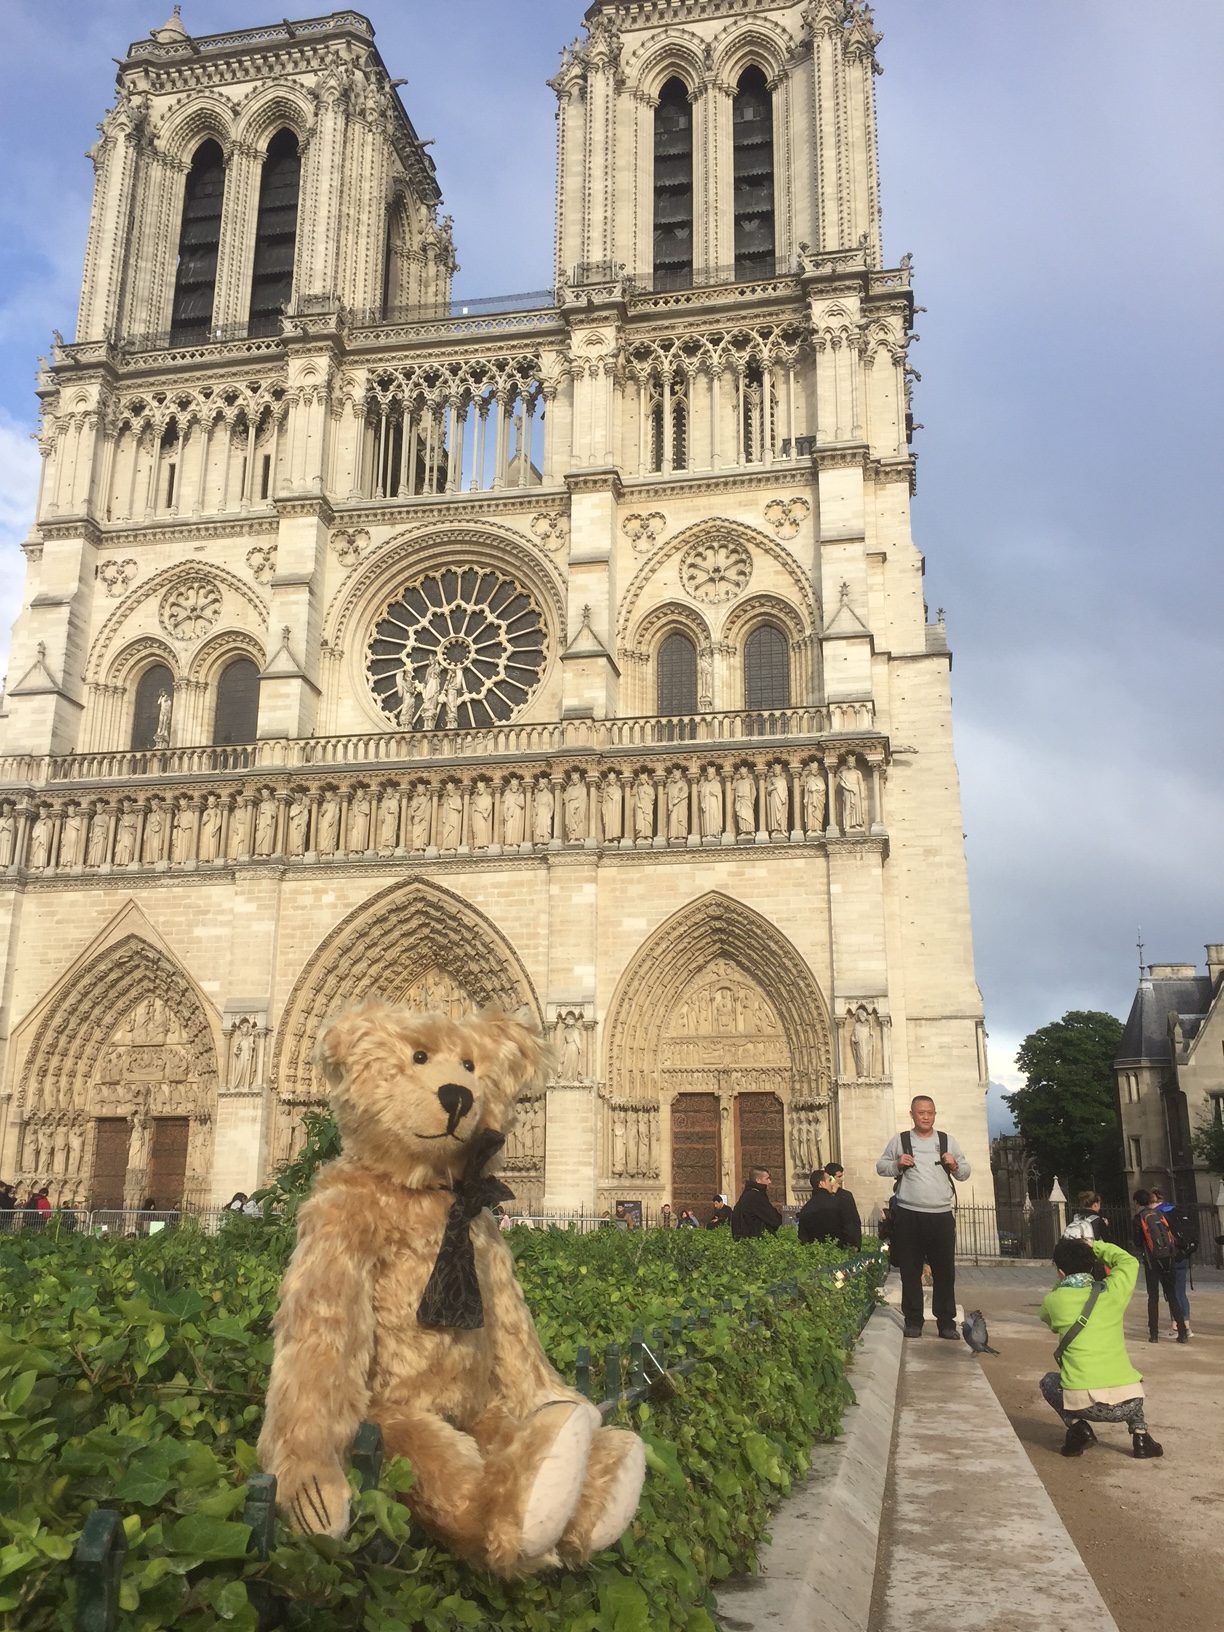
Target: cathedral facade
566	653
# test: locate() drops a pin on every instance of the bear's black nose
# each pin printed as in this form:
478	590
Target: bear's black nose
456	1102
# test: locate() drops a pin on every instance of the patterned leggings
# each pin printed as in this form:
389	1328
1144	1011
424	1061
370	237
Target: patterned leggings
1128	1411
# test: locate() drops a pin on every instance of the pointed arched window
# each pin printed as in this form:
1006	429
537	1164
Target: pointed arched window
676	678
195	281
152	683
237	711
673	188
275	233
752	145
767	669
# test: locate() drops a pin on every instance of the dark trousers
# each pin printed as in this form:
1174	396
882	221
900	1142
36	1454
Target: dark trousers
1161	1276
928	1238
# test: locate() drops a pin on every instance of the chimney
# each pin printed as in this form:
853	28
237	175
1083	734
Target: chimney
1215	962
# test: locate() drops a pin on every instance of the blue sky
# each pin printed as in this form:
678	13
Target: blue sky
1052	166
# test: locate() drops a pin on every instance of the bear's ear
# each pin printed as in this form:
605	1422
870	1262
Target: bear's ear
514	1052
345	1033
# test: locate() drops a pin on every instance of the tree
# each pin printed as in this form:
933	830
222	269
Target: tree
1208	1143
1066	1111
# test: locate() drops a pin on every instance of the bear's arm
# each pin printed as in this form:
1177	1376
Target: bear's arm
524	1380
318	1393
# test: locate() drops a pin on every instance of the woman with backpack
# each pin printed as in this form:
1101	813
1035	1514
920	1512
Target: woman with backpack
1185	1236
1156	1248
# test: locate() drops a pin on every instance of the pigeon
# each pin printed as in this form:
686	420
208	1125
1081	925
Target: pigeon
973	1330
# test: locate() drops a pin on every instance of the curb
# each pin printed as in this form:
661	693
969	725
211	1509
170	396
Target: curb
819	1567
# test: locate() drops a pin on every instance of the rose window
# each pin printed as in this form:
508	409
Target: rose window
459	648
190	609
715	571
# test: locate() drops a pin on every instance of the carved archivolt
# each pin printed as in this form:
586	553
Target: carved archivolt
163	585
404	935
128	1036
714	961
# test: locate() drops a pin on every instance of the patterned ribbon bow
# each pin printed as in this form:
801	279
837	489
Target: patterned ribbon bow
452	1294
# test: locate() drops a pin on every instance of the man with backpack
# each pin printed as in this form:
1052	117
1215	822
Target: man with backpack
926	1164
1157	1249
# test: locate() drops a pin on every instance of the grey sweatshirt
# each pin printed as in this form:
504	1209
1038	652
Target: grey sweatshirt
925	1187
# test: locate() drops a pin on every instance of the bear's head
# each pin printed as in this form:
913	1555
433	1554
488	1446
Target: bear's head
410	1091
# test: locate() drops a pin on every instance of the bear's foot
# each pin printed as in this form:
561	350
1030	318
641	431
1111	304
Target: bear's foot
315	1499
616	1468
562	1431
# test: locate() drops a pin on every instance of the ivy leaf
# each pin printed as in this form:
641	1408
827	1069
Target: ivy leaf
625	1606
207	1537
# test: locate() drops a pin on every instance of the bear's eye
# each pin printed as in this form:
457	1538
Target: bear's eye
420	1057
468	1066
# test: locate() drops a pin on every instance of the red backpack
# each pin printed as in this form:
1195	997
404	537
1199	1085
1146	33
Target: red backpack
1158	1239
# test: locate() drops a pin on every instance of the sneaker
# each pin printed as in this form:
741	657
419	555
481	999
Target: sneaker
1143	1446
1079	1437
947	1328
913	1328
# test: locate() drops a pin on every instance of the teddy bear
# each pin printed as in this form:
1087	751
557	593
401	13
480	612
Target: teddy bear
400	1306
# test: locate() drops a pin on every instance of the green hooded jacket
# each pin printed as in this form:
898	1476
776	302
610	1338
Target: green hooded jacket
1097	1358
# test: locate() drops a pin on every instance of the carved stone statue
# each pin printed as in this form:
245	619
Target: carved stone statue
705	678
743	791
853	797
71	834
450	816
514	812
299	820
242	1055
574	808
359	822
612	808
863	1043
542	805
210	829
95	847
570	1069
482	815
40	838
240	829
453	693
157	820
165	710
418	816
710	804
677	795
777	799
76	1149
265	823
814	798
182	839
388	819
327	836
430	689
643	807
8	835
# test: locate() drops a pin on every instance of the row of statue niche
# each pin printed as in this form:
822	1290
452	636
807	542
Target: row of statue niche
634	1142
525	1146
806	1128
53	1147
612	808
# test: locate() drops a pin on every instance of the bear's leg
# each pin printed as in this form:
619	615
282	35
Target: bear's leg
535	1470
615	1471
451	1490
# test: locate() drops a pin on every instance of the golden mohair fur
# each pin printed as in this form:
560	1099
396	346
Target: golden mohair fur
513	1470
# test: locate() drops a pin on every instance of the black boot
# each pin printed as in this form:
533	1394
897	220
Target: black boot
1079	1437
1143	1446
1183	1336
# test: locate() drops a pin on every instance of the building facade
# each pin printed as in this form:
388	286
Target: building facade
1170	1076
568	653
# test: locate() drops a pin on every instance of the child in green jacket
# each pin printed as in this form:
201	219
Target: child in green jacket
1096	1382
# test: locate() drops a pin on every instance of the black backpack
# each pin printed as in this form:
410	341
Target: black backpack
887	1213
1183	1221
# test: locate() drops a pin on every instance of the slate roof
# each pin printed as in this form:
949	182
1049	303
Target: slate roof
1145	1039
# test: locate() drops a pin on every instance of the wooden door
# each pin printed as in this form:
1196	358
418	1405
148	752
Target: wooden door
168	1160
696	1167
111	1139
762	1140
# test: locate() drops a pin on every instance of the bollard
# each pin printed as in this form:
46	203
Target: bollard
582	1371
97	1560
612	1371
637	1359
260	1511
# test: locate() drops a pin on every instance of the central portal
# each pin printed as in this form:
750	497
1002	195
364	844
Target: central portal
696	1158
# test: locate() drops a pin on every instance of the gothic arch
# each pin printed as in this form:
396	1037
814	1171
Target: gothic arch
758	42
219	650
382	949
156	586
139	654
200	119
131	998
270	109
679	55
712	928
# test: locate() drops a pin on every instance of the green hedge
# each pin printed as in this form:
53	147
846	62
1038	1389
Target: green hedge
132	1375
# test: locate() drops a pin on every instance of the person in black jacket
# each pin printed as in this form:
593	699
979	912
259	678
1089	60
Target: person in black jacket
823	1218
721	1214
852	1224
754	1214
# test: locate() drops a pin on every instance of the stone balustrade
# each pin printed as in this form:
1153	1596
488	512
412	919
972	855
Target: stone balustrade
683	798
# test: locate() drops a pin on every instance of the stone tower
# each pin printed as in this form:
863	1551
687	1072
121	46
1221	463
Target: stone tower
568	653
